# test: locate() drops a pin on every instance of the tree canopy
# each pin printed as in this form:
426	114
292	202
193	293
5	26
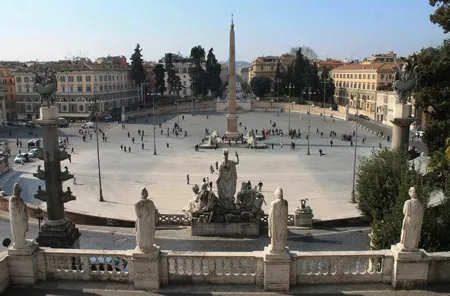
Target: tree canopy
441	16
137	70
261	85
197	74
213	70
160	84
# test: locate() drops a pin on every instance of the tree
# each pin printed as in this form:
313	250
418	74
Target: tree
307	51
441	16
329	83
196	71
137	70
171	73
213	70
260	85
160	84
300	72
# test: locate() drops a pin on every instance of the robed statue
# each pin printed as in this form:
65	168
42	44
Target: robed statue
413	210
46	84
19	218
278	215
145	223
226	182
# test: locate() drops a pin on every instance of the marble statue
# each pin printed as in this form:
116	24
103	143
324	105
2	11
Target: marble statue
46	84
19	218
412	222
226	182
278	215
404	81
193	204
249	199
145	223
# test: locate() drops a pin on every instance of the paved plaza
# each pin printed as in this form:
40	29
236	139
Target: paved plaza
326	181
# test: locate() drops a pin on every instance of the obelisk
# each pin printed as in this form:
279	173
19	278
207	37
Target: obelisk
232	117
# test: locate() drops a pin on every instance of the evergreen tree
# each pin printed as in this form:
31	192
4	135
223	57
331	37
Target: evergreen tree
213	70
196	71
300	72
171	73
442	14
137	70
160	84
261	85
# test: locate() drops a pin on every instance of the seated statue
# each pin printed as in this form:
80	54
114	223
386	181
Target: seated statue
193	204
249	199
208	200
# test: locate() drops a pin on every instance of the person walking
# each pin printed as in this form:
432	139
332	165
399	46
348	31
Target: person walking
187	179
331	143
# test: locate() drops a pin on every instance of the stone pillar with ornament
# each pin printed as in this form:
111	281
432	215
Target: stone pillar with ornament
405	80
57	231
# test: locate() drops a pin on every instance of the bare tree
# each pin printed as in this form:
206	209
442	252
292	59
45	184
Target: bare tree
307	52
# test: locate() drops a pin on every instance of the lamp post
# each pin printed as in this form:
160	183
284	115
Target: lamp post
309	115
277	81
325	83
98	149
154	127
290	86
353	197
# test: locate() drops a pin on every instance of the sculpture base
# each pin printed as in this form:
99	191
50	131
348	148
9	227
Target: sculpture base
22	263
225	229
303	220
410	269
277	269
145	269
59	234
232	127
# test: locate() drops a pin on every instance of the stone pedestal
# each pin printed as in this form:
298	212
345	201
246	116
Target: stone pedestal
146	270
401	122
303	220
410	270
277	270
232	126
59	234
22	264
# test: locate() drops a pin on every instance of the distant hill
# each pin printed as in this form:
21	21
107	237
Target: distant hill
239	64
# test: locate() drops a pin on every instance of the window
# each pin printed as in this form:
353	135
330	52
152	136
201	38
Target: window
70	78
26	79
373	86
359	76
109	78
79	88
63	88
27	87
382	76
20	89
373	76
105	77
62	78
110	87
100	78
88	78
112	77
271	68
359	84
79	78
19	79
262	68
80	108
364	76
364	85
114	87
71	89
351	76
88	88
64	108
348	76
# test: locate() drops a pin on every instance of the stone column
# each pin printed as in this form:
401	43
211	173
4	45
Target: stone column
57	231
410	270
232	117
401	121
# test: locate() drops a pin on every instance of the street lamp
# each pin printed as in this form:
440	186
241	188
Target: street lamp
290	86
154	127
309	114
353	197
277	81
325	82
98	150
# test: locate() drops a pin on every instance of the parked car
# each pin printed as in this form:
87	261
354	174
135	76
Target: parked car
63	122
89	124
34	143
21	158
420	134
364	117
33	153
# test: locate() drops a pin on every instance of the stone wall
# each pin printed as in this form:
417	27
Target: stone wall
4	272
4	165
439	267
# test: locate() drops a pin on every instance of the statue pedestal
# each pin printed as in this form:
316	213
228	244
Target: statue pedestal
277	270
232	127
146	269
400	131
22	264
250	229
410	269
303	220
59	234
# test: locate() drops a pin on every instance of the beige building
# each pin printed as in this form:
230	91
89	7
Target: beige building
381	58
361	81
78	83
267	66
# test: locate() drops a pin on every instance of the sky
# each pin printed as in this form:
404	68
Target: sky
58	29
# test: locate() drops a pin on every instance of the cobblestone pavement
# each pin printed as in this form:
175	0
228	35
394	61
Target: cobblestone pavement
111	289
326	181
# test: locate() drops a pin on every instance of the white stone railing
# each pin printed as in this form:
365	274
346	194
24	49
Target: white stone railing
245	268
92	265
344	267
4	272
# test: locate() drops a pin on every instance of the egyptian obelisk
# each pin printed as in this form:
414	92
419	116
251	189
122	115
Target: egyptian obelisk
232	131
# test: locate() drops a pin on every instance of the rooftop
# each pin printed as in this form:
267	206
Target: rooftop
372	66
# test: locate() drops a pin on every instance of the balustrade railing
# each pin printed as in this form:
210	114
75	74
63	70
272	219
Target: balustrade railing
182	220
344	267
86	265
213	268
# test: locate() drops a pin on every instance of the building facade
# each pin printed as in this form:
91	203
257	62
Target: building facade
8	83
357	84
329	64
267	66
78	83
381	58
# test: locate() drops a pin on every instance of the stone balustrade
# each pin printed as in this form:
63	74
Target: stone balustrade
239	268
183	220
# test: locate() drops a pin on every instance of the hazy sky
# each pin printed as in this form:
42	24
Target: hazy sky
55	29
